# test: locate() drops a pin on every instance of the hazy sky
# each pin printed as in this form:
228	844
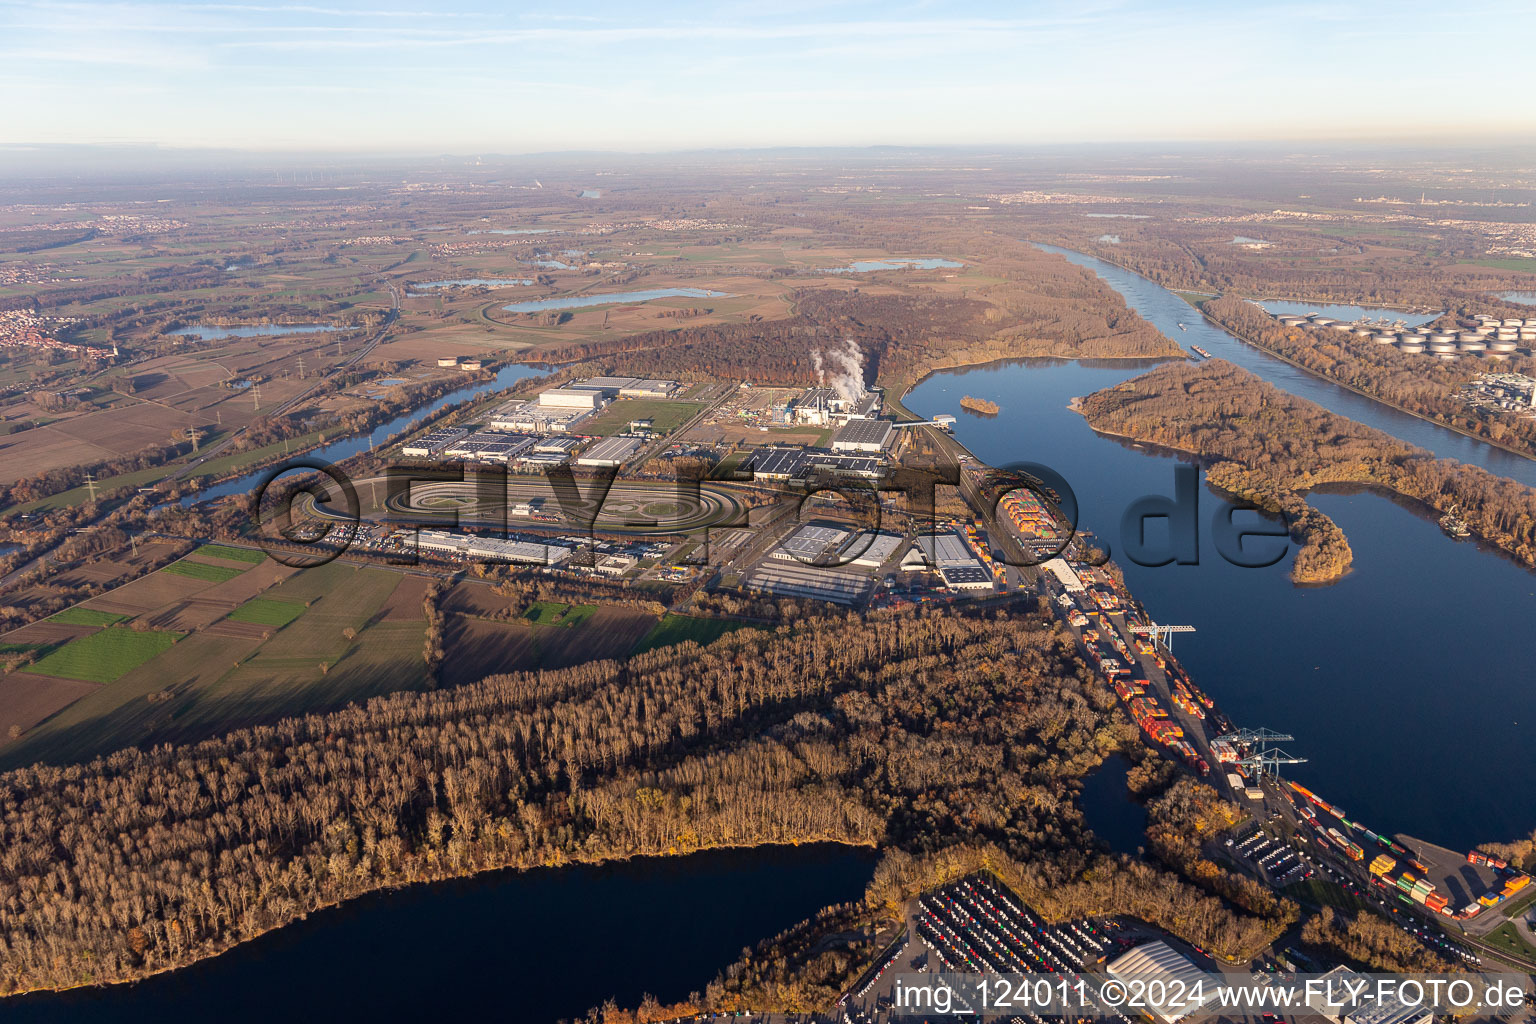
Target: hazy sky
398	76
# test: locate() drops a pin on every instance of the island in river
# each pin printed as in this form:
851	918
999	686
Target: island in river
1270	448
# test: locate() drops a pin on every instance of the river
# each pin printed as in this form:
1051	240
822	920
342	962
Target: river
535	946
1165	310
355	444
1403	683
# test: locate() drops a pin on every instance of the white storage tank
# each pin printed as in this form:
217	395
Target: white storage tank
1413	348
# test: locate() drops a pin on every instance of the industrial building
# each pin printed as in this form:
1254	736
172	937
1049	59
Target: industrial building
1388	1010
432	443
611	451
524	552
812	543
1065	575
628	387
944	550
1161	967
489	446
572	398
538	419
778	463
556	445
792	579
967	577
863	436
872	551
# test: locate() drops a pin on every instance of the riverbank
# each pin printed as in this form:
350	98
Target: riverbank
1344	385
1271	448
1372	396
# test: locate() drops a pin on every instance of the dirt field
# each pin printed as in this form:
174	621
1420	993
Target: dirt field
26	699
46	632
152	592
611	632
404	602
480	648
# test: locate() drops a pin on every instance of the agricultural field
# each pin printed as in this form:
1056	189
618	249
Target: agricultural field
676	629
86	617
203	571
266	612
104	656
553	613
263	643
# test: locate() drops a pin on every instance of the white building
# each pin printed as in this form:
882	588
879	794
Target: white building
872	436
1154	962
571	398
1065	575
432	442
611	451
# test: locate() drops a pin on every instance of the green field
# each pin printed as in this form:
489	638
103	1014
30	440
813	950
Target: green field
674	629
208	684
553	613
230	554
85	617
1507	937
203	571
1516	263
104	656
668	415
266	612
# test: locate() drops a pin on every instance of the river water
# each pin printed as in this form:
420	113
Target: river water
356	444
1166	311
532	947
1403	683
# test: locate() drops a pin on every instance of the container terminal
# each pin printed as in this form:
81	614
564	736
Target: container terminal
1417	883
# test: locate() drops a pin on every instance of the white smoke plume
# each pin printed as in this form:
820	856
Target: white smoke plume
847	369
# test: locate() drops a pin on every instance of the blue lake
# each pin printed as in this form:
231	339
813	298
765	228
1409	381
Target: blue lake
1524	298
567	938
584	301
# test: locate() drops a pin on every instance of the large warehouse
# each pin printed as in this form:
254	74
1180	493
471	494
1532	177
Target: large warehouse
1157	962
870	436
611	451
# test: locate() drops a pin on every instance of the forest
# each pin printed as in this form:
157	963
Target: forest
943	738
1043	306
1269	447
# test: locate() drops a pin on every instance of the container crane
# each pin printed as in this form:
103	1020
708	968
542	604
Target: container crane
1162	633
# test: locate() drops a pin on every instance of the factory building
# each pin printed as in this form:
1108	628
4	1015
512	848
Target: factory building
611	452
1388	1010
539	419
872	550
861	435
432	443
571	398
442	542
812	543
943	551
967	577
779	463
1065	575
1162	968
793	579
489	446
